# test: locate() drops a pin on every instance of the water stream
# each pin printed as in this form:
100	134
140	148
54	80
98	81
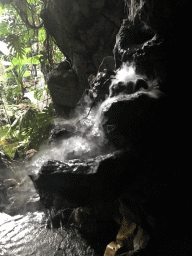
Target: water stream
29	234
25	235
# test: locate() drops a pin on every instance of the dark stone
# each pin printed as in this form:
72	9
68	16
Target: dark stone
84	31
130	35
6	170
4	200
77	183
164	16
133	118
101	85
85	101
108	63
65	90
127	87
12	119
16	155
60	132
140	84
64	65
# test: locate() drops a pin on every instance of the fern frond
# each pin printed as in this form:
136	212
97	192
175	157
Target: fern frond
15	44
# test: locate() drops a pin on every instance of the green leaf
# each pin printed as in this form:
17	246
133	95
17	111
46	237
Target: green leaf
17	90
15	44
10	68
4	28
31	1
34	60
9	75
1	10
19	62
27	73
27	50
42	35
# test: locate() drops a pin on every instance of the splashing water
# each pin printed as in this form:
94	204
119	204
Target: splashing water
93	135
27	234
126	73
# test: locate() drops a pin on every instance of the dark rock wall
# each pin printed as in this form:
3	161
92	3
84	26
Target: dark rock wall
84	31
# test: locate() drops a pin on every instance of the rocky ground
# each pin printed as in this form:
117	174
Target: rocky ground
17	192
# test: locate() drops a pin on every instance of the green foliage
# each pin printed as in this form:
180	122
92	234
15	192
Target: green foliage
57	56
23	121
31	128
37	92
20	21
42	35
19	67
21	29
15	44
34	60
4	28
7	144
1	10
39	132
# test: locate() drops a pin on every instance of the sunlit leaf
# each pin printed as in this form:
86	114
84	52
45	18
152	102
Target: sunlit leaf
31	1
42	35
1	10
19	61
27	73
34	60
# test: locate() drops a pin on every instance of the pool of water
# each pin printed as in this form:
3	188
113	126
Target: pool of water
25	235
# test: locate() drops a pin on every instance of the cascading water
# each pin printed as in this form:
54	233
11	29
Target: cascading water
29	234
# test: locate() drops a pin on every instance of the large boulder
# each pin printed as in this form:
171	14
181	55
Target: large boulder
65	90
84	31
131	119
76	183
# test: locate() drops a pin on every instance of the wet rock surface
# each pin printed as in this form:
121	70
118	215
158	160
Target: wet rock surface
17	193
60	132
93	180
143	111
